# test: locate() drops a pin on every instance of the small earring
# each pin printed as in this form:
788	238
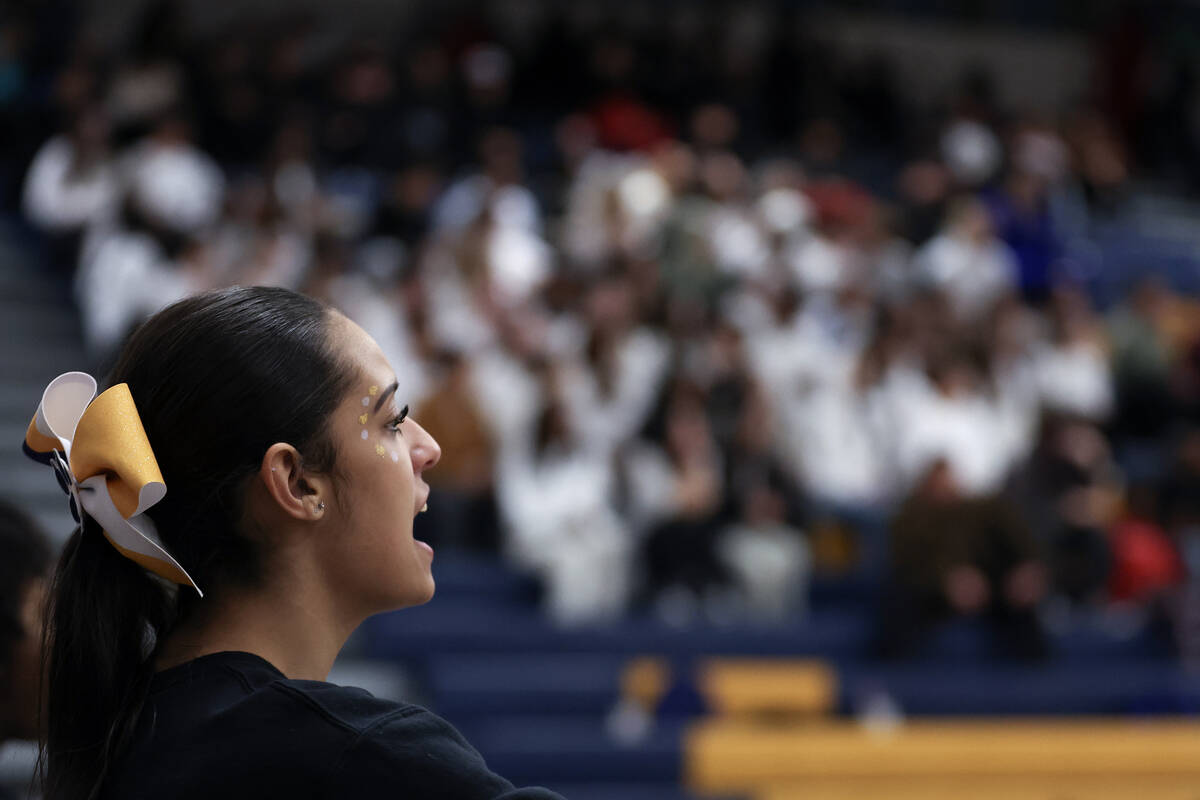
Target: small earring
320	506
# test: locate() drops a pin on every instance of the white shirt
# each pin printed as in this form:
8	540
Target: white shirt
56	200
560	521
965	431
820	264
974	275
737	243
462	203
510	397
177	184
125	281
383	318
604	421
1075	378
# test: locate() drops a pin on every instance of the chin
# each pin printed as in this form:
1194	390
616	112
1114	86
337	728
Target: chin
428	595
417	593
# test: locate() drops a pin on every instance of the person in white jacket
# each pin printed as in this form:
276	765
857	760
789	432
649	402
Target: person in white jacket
555	496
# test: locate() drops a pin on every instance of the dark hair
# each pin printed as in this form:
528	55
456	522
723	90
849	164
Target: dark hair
217	379
26	558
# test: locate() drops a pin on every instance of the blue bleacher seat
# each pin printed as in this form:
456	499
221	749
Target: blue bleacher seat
548	749
445	626
1042	690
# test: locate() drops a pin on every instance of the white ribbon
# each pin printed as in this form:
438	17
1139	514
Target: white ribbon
63	405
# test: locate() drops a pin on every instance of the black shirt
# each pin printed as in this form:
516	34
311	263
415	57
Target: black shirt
230	726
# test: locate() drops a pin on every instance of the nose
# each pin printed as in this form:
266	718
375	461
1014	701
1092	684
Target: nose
425	450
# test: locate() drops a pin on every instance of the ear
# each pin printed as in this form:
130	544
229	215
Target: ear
299	494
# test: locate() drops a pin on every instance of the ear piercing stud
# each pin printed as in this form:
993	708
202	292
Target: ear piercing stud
320	506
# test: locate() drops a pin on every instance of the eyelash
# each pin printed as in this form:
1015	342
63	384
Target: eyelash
399	420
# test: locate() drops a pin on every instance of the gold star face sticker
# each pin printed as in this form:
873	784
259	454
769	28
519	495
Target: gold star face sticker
374	390
362	419
379	451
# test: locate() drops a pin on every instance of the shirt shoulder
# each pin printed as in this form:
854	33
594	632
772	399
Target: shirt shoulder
418	751
329	741
353	710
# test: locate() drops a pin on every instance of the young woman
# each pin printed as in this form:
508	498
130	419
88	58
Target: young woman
292	478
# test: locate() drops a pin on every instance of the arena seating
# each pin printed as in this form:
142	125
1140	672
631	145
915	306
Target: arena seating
39	338
544	704
763	712
981	758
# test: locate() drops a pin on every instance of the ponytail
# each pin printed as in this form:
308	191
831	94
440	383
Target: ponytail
105	614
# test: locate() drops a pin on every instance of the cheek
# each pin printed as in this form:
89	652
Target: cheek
390	459
382	475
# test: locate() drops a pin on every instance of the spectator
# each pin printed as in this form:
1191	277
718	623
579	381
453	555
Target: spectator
464	478
556	499
1145	564
175	193
952	419
609	392
768	559
1072	368
1021	214
72	186
674	478
954	556
24	573
855	284
967	261
1147	338
1069	490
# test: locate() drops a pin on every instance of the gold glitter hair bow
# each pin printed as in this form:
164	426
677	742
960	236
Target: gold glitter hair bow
103	461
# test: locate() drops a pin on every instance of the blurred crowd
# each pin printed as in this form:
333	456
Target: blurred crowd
697	308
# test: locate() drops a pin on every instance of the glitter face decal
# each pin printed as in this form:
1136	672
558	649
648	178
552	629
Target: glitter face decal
379	446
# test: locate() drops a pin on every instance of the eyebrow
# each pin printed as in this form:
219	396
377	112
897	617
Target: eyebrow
385	394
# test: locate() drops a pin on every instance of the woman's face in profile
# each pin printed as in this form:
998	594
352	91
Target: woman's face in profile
381	454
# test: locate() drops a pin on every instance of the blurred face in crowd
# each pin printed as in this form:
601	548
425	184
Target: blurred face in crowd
500	151
676	162
924	183
976	223
955	378
723	175
764	506
939	484
688	432
610	305
90	133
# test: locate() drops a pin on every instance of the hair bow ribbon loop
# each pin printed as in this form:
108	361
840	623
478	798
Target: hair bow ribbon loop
110	469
